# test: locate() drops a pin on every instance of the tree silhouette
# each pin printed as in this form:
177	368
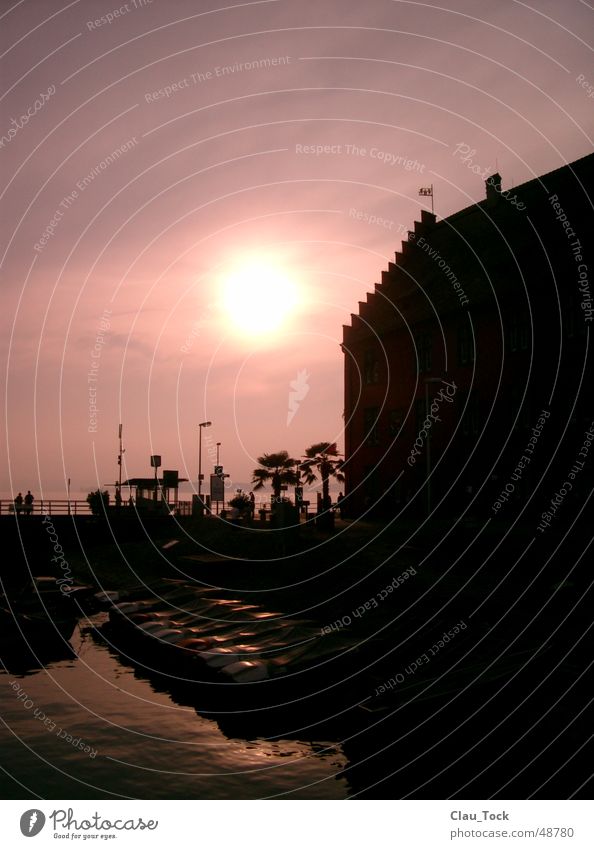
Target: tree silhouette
278	468
324	460
98	502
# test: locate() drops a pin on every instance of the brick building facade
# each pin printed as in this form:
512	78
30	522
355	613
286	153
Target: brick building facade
472	353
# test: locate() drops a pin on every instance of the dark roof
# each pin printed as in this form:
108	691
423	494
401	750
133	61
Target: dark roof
147	483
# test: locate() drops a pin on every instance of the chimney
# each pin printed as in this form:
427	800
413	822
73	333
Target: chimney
493	186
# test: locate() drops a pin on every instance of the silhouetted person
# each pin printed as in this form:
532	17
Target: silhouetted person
29	499
118	498
18	504
252	505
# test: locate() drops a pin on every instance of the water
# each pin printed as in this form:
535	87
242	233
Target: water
146	745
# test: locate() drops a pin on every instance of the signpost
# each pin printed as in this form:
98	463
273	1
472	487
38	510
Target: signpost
217	486
170	482
155	463
217	489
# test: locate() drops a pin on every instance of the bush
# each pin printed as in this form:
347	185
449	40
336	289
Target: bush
241	502
98	502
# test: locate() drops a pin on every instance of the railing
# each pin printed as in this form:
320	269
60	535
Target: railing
53	507
63	507
57	507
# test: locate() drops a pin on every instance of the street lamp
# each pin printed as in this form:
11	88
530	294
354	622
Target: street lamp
429	380
200	426
218	447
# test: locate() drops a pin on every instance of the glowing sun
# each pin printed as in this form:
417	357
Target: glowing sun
258	298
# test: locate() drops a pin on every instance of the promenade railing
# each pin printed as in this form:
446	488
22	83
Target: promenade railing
63	507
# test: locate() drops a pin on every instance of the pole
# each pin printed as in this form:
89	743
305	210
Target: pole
68	496
200	465
120	459
119	480
218	461
428	449
200	426
432	209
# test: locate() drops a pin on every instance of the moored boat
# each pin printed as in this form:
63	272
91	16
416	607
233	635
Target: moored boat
218	639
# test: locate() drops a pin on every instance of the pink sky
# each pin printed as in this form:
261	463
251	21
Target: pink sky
343	111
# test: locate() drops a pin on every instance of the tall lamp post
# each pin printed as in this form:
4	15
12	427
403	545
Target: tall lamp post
218	450
119	482
429	380
200	426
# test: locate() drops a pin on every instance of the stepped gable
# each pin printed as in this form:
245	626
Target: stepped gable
486	247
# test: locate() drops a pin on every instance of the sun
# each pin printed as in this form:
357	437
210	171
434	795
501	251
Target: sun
258	298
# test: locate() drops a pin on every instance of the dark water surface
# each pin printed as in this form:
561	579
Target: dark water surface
139	742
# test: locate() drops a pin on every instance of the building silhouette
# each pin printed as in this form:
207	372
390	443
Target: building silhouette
472	353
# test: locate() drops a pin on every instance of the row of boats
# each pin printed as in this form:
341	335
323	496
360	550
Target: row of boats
196	634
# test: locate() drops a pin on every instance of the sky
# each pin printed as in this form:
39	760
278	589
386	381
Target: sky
196	196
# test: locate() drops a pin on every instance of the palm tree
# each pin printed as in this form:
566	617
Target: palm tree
278	468
323	458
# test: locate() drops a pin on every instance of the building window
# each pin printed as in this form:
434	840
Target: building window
370	368
518	335
569	322
424	347
395	421
523	415
370	420
465	346
470	419
420	413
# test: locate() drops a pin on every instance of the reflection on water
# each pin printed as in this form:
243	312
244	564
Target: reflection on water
91	727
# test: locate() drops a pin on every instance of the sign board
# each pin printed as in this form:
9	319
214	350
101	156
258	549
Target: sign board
155	460
170	478
217	488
